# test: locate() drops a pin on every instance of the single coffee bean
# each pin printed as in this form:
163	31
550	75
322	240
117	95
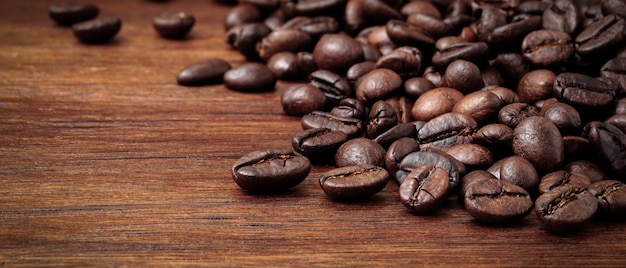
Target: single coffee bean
446	130
424	189
313	26
582	90
397	132
270	171
318	143
506	95
417	86
565	208
317	119
422	7
337	52
432	26
473	156
379	39
377	85
397	151
405	61
284	65
464	76
334	86
511	115
250	77
310	7
562	177
563	15
67	14
513	65
435	102
302	99
547	47
356	71
618	120
497	201
283	40
360	151
206	72
611	197
609	145
481	105
245	37
576	147
515	31
382	117
349	108
404	34
173	25
533	7
587	168
354	182
564	116
241	14
305	62
601	36
474	52
402	105
471	178
539	141
517	170
536	85
435	158
494	136
616	69
97	31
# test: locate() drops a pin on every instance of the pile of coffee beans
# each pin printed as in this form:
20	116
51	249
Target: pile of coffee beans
511	107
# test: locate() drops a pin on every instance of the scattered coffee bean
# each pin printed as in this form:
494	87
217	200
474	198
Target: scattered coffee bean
68	14
210	71
173	25
354	182
565	208
270	171
611	197
497	201
424	189
250	77
97	31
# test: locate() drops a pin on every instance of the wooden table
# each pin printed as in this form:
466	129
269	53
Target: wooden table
106	161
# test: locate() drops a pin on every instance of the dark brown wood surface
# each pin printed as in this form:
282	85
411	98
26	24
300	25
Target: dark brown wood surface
106	161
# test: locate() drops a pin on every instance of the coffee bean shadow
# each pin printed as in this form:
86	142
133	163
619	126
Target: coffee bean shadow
116	41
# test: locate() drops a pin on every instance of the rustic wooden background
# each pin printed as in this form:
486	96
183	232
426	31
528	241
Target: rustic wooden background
106	161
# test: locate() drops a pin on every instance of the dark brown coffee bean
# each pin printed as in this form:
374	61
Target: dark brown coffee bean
173	25
576	147
405	61
381	118
97	31
351	126
275	19
489	18
360	151
313	26
497	201
587	168
337	52
506	95
240	14
334	86
512	114
473	156
377	85
402	105
404	34
250	77
513	65
68	14
515	31
428	24
270	171
609	145
422	7
494	136
618	120
481	105
424	189
379	39
435	102
616	69
611	197
471	178
437	159
356	71
534	7
547	47
563	15
310	7
283	40
210	71
396	132
564	116
540	142
517	170
446	130
354	182
397	151
318	143
284	65
244	38
464	76
474	52
417	86
614	7
536	85
565	208
560	178
582	90
302	99
601	36
349	108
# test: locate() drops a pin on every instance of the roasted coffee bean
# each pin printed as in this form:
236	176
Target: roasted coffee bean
540	142
545	48
424	189
435	102
405	61
560	178
305	62
97	31
437	159
66	14
250	77
514	32
284	65
349	108
464	76
576	147
302	99
396	132
615	69
492	76
245	37
354	182
473	156
446	130
536	85
564	116
591	14
360	151
422	7
512	114
402	105
283	40
481	105
616	7
356	71
240	14
262	5
210	71
471	178
337	52
563	15
335	87
173	25
513	65
618	120
428	24
397	151
582	90
497	201
611	197
382	117
318	143
517	170
506	95
601	36
404	34
489	18
275	19
534	7
494	136
565	208
474	52
351	126
609	145
379	39
377	85
313	26
417	86
310	7
270	171
587	168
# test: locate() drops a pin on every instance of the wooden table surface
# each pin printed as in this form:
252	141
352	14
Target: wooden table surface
106	161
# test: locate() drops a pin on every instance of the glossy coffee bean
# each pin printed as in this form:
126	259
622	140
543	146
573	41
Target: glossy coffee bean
97	31
618	120
173	25
417	86
405	61
536	85
603	35
283	40
564	116
356	71
497	201
563	15
241	14
611	197
517	170
473	156
481	105
68	14
302	99
464	76
334	86
511	115
210	71
539	141
354	182
404	34
351	126
382	117
582	90
565	208
310	7
494	136
474	52
250	77
616	69
424	189
547	47
377	85
562	177
337	52
360	151
446	130
396	132
397	151
609	145
437	159
313	26
349	108
318	143
244	38
270	171
284	65
435	102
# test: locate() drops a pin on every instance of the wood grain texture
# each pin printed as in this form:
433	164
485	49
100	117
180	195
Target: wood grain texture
106	161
